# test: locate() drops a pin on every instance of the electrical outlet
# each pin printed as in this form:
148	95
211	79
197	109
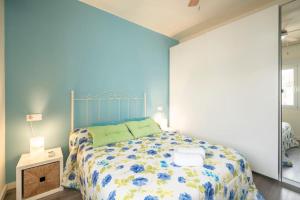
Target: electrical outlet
33	117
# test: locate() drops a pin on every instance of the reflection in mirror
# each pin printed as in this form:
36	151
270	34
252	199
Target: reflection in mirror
290	39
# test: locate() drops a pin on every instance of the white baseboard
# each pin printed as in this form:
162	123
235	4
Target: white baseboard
8	186
3	192
11	185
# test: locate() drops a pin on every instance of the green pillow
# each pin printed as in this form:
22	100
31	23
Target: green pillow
143	128
103	135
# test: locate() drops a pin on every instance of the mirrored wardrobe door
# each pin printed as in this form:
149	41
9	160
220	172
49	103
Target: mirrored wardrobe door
290	73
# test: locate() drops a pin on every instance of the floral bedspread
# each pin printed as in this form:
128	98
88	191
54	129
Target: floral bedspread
288	137
288	141
142	169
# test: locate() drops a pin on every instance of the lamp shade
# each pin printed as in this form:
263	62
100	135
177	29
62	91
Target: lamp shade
37	144
160	118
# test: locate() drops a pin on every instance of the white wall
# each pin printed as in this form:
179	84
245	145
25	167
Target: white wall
224	88
291	56
2	100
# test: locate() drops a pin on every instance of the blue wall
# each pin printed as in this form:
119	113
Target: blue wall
53	46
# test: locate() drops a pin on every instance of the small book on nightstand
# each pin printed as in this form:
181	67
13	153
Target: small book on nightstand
39	174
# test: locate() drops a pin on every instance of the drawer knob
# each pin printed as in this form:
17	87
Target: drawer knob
42	179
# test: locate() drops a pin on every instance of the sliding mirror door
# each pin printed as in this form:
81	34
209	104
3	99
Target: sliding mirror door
290	77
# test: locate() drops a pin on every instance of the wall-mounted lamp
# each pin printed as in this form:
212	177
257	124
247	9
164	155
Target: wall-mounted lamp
37	143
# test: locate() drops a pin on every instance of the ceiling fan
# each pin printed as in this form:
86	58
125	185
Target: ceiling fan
193	3
288	38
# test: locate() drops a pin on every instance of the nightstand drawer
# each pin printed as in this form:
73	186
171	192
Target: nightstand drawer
40	179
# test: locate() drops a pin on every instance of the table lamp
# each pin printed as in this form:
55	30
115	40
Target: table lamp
160	118
37	143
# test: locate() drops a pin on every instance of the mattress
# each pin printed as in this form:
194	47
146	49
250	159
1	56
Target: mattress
144	169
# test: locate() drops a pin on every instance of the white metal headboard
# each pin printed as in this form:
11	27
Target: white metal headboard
108	98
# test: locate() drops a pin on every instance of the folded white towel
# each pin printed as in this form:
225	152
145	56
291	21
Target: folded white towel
194	150
187	159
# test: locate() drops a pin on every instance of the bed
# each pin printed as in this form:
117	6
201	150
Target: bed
288	141
143	169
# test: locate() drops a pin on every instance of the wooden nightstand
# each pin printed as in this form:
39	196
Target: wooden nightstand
39	175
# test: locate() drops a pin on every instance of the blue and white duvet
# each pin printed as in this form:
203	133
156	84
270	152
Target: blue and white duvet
142	169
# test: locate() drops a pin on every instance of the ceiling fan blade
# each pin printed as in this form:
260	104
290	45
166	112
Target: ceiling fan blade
291	39
295	30
193	3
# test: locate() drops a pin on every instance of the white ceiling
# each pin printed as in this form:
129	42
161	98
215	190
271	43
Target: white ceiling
175	19
291	22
